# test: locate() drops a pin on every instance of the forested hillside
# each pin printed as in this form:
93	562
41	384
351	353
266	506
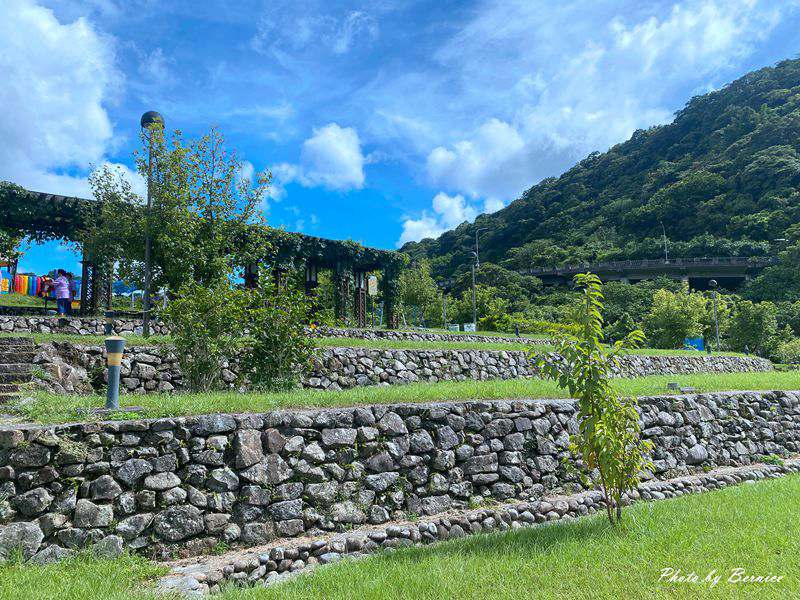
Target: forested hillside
722	178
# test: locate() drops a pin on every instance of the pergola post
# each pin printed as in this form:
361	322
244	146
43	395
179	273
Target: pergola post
86	269
251	276
361	298
343	291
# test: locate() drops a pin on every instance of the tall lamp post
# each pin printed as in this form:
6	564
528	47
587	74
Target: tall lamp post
713	285
150	120
474	306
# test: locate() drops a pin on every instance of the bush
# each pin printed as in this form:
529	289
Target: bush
207	325
279	349
788	353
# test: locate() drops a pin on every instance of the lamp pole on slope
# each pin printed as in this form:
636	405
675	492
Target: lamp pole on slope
150	121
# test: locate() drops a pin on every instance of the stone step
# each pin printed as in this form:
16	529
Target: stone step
15	377
16	367
275	562
9	388
16	341
21	355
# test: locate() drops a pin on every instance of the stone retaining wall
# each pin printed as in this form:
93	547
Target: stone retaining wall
76	325
79	368
283	559
183	485
28	323
416	336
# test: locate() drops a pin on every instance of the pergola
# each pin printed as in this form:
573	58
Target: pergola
43	216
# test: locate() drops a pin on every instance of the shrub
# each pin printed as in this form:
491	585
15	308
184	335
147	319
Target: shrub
279	349
788	352
609	434
207	324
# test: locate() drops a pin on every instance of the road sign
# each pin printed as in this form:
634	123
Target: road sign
372	285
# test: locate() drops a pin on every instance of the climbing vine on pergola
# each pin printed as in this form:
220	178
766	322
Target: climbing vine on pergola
43	217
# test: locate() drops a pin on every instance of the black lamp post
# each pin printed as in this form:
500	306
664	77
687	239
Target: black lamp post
713	285
150	120
474	306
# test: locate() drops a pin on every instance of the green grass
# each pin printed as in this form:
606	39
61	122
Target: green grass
119	303
754	527
24	300
47	408
81	578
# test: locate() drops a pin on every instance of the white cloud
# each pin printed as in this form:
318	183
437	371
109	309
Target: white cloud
155	66
356	25
452	210
56	79
276	34
448	212
331	158
419	229
246	171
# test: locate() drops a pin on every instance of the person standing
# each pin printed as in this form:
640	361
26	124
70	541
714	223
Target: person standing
61	287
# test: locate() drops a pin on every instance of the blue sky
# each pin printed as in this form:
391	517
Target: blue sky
381	121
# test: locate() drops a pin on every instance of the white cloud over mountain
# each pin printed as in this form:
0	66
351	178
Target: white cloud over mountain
540	89
448	212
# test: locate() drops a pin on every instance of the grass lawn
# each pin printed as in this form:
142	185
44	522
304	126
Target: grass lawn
751	527
47	408
119	302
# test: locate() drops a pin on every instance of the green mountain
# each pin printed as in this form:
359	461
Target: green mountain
722	178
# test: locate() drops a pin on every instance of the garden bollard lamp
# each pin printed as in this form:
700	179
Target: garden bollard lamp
114	347
109	327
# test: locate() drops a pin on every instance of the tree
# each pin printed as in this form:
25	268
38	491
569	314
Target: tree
675	317
609	434
9	246
754	326
418	289
203	210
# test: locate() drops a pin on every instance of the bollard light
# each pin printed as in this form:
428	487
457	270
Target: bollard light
114	347
109	327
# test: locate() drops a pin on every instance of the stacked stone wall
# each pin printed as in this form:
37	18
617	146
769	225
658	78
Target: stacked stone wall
80	368
183	485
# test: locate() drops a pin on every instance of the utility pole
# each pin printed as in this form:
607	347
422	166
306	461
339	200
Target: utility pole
664	237
713	285
150	120
477	254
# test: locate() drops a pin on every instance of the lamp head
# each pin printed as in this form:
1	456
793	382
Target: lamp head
713	284
151	118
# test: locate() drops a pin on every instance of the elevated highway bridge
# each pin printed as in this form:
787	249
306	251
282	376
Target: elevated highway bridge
729	271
